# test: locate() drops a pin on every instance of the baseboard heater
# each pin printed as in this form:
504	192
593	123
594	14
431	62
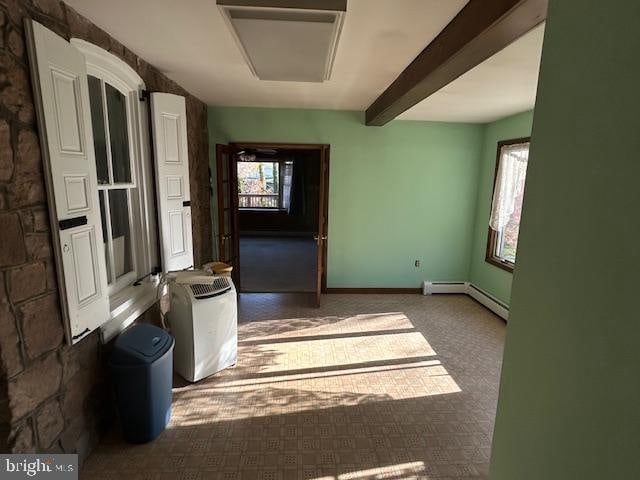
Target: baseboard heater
429	288
496	306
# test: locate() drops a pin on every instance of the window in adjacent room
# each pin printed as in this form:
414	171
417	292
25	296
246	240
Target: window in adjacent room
264	184
506	207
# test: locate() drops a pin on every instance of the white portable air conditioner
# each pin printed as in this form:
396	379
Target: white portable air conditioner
204	321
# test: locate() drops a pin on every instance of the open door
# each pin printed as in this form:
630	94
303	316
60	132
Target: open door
228	239
322	235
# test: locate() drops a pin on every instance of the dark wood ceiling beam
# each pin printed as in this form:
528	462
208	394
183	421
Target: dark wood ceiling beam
481	29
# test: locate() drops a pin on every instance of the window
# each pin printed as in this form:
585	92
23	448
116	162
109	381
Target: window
506	206
123	170
115	180
264	184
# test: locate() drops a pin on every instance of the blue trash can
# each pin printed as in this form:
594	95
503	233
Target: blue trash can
142	367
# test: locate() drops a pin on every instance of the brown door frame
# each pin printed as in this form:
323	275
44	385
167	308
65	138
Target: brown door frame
224	153
221	151
324	150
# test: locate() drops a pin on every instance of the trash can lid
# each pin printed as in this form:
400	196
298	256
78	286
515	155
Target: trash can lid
141	344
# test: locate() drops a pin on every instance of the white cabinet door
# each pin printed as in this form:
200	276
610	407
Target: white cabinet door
62	97
169	116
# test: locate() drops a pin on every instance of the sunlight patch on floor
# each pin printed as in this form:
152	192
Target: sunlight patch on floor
284	368
405	471
337	350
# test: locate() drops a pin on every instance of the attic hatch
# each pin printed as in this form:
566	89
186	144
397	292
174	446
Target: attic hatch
286	40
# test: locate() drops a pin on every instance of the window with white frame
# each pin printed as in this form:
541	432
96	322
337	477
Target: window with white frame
120	137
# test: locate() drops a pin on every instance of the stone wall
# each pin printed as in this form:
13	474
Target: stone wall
54	397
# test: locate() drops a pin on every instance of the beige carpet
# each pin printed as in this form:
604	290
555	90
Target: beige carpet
367	387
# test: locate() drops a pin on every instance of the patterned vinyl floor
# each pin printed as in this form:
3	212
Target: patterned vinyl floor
367	387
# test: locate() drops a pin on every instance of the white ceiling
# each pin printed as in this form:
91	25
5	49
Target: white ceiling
190	42
502	85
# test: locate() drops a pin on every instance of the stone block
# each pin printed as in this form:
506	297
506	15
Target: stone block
28	158
10	351
5	413
22	439
25	192
37	383
15	43
49	423
5	431
15	89
75	428
28	185
40	220
16	9
27	281
77	392
13	251
41	325
26	218
130	58
116	48
82	356
6	152
99	37
53	8
53	24
38	246
78	25
52	282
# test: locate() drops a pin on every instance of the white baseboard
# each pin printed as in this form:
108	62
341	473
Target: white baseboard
492	303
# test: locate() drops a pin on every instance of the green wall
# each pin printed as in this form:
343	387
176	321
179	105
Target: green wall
488	277
569	405
398	193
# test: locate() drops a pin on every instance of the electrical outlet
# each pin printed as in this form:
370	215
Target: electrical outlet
417	263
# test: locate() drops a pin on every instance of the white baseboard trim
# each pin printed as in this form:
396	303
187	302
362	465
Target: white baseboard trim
492	303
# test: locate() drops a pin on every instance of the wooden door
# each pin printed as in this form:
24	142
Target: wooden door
322	235
228	239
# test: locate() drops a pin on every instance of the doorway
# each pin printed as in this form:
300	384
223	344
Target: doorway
272	215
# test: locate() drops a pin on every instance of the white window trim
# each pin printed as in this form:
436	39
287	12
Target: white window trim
130	302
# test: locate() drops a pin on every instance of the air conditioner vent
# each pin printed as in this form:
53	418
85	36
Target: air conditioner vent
219	286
